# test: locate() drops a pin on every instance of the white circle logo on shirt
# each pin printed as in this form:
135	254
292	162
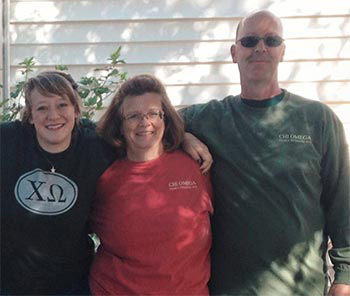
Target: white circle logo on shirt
45	193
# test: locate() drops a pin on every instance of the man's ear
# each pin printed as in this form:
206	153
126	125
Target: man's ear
283	52
233	53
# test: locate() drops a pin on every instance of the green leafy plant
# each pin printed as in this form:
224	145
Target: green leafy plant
11	106
93	89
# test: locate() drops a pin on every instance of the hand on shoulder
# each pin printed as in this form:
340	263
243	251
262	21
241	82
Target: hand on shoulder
339	290
198	151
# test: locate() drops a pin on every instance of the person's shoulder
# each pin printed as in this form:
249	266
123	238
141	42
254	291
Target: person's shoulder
313	106
13	134
223	104
181	158
87	125
11	128
86	129
89	137
182	163
11	124
300	100
215	104
317	112
212	107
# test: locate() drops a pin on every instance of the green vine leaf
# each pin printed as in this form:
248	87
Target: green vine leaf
92	89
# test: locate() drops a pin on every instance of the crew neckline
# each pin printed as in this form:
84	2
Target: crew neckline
146	162
269	102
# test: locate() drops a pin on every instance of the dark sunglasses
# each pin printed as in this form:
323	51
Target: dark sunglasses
252	41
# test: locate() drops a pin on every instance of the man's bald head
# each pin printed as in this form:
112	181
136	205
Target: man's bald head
261	14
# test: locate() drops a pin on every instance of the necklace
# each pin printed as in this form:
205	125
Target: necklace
42	153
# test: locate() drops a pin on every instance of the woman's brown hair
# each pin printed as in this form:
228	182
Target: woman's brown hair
109	126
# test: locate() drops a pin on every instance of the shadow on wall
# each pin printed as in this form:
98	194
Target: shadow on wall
184	43
78	34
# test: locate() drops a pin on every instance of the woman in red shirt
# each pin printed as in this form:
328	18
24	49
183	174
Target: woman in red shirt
153	207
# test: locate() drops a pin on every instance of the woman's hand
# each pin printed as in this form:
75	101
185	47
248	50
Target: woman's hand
339	290
198	151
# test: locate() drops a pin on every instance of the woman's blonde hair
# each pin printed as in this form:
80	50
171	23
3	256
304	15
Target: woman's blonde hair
51	83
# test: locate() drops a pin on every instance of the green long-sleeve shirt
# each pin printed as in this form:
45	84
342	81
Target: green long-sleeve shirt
281	184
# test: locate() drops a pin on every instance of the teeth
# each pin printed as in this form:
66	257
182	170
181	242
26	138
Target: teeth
144	133
54	126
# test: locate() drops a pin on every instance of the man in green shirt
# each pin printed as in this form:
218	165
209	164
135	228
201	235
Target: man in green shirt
280	177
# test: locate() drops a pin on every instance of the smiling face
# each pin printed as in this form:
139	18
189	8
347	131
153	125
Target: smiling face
258	64
53	118
144	136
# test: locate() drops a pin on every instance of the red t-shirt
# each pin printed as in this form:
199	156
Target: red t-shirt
153	222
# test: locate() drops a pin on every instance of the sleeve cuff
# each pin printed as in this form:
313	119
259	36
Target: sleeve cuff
342	277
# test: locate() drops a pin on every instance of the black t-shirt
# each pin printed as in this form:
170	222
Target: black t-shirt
45	247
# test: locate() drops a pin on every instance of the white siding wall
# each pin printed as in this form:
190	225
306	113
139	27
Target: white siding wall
186	43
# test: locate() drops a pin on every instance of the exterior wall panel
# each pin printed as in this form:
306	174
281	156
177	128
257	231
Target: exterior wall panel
185	43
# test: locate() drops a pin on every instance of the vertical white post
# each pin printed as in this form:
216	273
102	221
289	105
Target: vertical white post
5	48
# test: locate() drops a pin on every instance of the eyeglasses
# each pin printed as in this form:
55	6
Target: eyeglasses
252	41
152	116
